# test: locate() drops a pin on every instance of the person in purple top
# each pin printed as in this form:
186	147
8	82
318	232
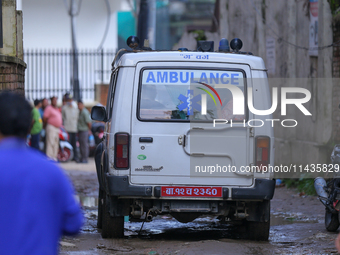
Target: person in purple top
37	199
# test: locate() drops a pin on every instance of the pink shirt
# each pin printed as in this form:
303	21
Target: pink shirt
53	116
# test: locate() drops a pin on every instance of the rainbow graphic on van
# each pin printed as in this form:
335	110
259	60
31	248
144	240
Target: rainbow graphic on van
190	102
209	93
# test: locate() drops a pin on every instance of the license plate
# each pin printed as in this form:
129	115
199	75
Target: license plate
172	191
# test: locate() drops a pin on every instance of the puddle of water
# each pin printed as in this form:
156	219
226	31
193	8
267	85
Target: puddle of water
90	205
79	253
277	219
282	220
208	227
89	202
163	223
204	228
165	226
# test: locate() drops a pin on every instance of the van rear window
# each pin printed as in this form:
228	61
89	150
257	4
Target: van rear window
187	94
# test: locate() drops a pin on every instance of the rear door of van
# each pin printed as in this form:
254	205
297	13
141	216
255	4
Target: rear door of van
174	140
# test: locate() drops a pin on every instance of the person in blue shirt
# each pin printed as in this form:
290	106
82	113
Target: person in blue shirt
37	199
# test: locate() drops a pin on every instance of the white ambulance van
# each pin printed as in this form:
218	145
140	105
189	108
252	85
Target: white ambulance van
180	139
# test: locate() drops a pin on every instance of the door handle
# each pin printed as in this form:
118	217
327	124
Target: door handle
145	139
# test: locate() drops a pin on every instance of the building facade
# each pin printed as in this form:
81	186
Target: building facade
48	44
12	66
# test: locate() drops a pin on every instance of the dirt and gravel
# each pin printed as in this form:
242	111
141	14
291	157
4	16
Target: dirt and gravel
297	227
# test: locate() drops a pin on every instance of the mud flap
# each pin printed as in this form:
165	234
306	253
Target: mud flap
118	207
259	211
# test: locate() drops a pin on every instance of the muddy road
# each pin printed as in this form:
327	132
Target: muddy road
297	227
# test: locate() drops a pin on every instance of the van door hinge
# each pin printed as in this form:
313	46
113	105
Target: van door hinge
251	132
181	139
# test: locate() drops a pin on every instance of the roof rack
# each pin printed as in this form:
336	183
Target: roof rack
202	46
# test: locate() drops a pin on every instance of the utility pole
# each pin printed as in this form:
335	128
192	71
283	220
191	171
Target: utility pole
1	34
152	23
73	12
143	19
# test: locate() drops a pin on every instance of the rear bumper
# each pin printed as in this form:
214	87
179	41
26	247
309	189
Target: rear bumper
120	186
263	189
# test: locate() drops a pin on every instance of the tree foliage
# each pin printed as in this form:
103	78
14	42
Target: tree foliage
335	6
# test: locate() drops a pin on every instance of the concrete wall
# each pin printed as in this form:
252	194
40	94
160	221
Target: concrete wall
286	24
12	66
278	31
336	75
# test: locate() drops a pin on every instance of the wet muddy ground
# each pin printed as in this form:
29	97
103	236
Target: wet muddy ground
297	227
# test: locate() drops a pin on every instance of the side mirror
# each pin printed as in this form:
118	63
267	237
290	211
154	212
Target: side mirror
99	113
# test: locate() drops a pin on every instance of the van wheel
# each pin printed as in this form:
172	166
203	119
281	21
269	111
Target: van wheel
100	208
112	227
258	231
331	221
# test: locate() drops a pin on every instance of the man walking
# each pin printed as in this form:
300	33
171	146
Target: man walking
84	126
70	115
53	120
36	125
37	199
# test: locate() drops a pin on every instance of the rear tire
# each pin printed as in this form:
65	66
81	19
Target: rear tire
258	231
331	221
112	227
100	208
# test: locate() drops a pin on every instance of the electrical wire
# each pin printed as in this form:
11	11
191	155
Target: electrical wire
140	230
69	9
108	21
281	39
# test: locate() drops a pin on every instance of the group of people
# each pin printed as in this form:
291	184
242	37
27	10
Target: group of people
76	121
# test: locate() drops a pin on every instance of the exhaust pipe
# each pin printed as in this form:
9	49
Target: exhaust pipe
320	185
149	217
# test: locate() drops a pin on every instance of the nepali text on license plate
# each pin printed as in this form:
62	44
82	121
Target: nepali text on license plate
172	191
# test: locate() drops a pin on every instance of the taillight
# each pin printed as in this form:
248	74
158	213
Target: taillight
262	152
122	152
